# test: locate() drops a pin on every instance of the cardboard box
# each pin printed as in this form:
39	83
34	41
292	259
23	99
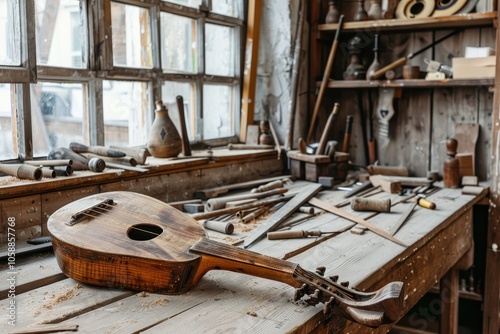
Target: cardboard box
474	68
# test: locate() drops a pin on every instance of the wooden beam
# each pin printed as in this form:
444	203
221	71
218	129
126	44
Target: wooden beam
250	67
491	321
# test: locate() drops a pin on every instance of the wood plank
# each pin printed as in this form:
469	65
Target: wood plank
250	66
59	301
30	274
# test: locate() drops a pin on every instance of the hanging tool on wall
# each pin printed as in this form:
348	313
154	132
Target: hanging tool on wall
326	77
347	134
385	108
403	60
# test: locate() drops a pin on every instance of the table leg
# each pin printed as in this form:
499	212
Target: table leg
449	302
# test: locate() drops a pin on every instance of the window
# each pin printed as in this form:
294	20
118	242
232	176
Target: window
71	72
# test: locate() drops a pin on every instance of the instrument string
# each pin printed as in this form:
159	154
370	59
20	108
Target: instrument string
106	208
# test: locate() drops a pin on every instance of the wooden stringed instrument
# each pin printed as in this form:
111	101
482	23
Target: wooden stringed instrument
129	240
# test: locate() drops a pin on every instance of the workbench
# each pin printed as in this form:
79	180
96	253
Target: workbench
231	302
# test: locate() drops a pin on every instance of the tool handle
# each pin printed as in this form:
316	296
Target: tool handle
326	130
295	234
391	66
219	226
425	203
186	147
371	204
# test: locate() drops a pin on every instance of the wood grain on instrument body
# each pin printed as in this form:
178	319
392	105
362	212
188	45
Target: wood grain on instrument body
140	243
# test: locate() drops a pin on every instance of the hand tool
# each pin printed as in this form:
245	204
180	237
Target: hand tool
186	148
326	77
404	59
347	134
424	202
339	212
295	234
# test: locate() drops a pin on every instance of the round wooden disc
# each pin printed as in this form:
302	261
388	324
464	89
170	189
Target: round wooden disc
411	9
446	8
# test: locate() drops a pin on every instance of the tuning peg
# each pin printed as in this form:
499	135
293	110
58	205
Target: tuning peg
320	270
334	278
328	307
314	298
300	292
346	283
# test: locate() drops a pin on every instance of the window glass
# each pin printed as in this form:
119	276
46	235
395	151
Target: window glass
10	33
187	3
218	108
126	113
61	33
170	91
178	44
56	115
131	36
8	141
227	7
219	50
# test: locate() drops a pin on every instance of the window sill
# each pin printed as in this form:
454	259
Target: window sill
13	187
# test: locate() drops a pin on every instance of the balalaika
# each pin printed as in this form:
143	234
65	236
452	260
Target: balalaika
128	240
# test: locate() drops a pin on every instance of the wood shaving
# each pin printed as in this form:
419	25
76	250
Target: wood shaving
73	292
155	302
144	294
252	313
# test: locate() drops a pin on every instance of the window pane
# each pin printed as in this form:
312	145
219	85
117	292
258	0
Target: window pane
219	50
187	3
178	43
127	117
10	32
8	143
227	7
218	120
61	33
170	91
56	115
131	36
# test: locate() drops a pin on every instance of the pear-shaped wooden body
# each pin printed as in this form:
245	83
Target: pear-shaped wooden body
164	139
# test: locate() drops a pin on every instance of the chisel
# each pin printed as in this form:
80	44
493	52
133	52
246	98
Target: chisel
295	234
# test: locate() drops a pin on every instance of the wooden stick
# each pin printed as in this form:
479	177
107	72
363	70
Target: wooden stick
186	147
139	153
339	212
282	214
249	147
326	130
258	204
220	202
99	150
49	163
326	77
44	329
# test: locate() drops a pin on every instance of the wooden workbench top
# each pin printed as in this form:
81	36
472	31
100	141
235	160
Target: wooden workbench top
230	302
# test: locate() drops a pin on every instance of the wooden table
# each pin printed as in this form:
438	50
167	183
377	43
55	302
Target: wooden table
230	302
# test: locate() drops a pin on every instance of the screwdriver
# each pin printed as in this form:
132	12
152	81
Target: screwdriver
296	234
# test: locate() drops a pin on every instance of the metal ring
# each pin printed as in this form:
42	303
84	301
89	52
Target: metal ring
411	9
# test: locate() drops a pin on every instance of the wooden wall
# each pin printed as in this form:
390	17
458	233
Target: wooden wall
425	117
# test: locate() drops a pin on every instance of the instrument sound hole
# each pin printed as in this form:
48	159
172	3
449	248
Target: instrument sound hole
143	232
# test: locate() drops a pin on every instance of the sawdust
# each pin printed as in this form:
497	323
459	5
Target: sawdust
155	302
69	294
143	294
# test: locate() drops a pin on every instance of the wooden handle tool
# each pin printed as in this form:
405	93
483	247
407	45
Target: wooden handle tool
425	203
347	134
295	234
326	77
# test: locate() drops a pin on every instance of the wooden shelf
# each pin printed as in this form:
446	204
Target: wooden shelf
445	22
414	83
462	294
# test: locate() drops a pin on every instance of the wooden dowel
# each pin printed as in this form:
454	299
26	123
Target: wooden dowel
220	202
49	163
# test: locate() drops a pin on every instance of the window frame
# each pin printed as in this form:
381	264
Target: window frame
100	67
